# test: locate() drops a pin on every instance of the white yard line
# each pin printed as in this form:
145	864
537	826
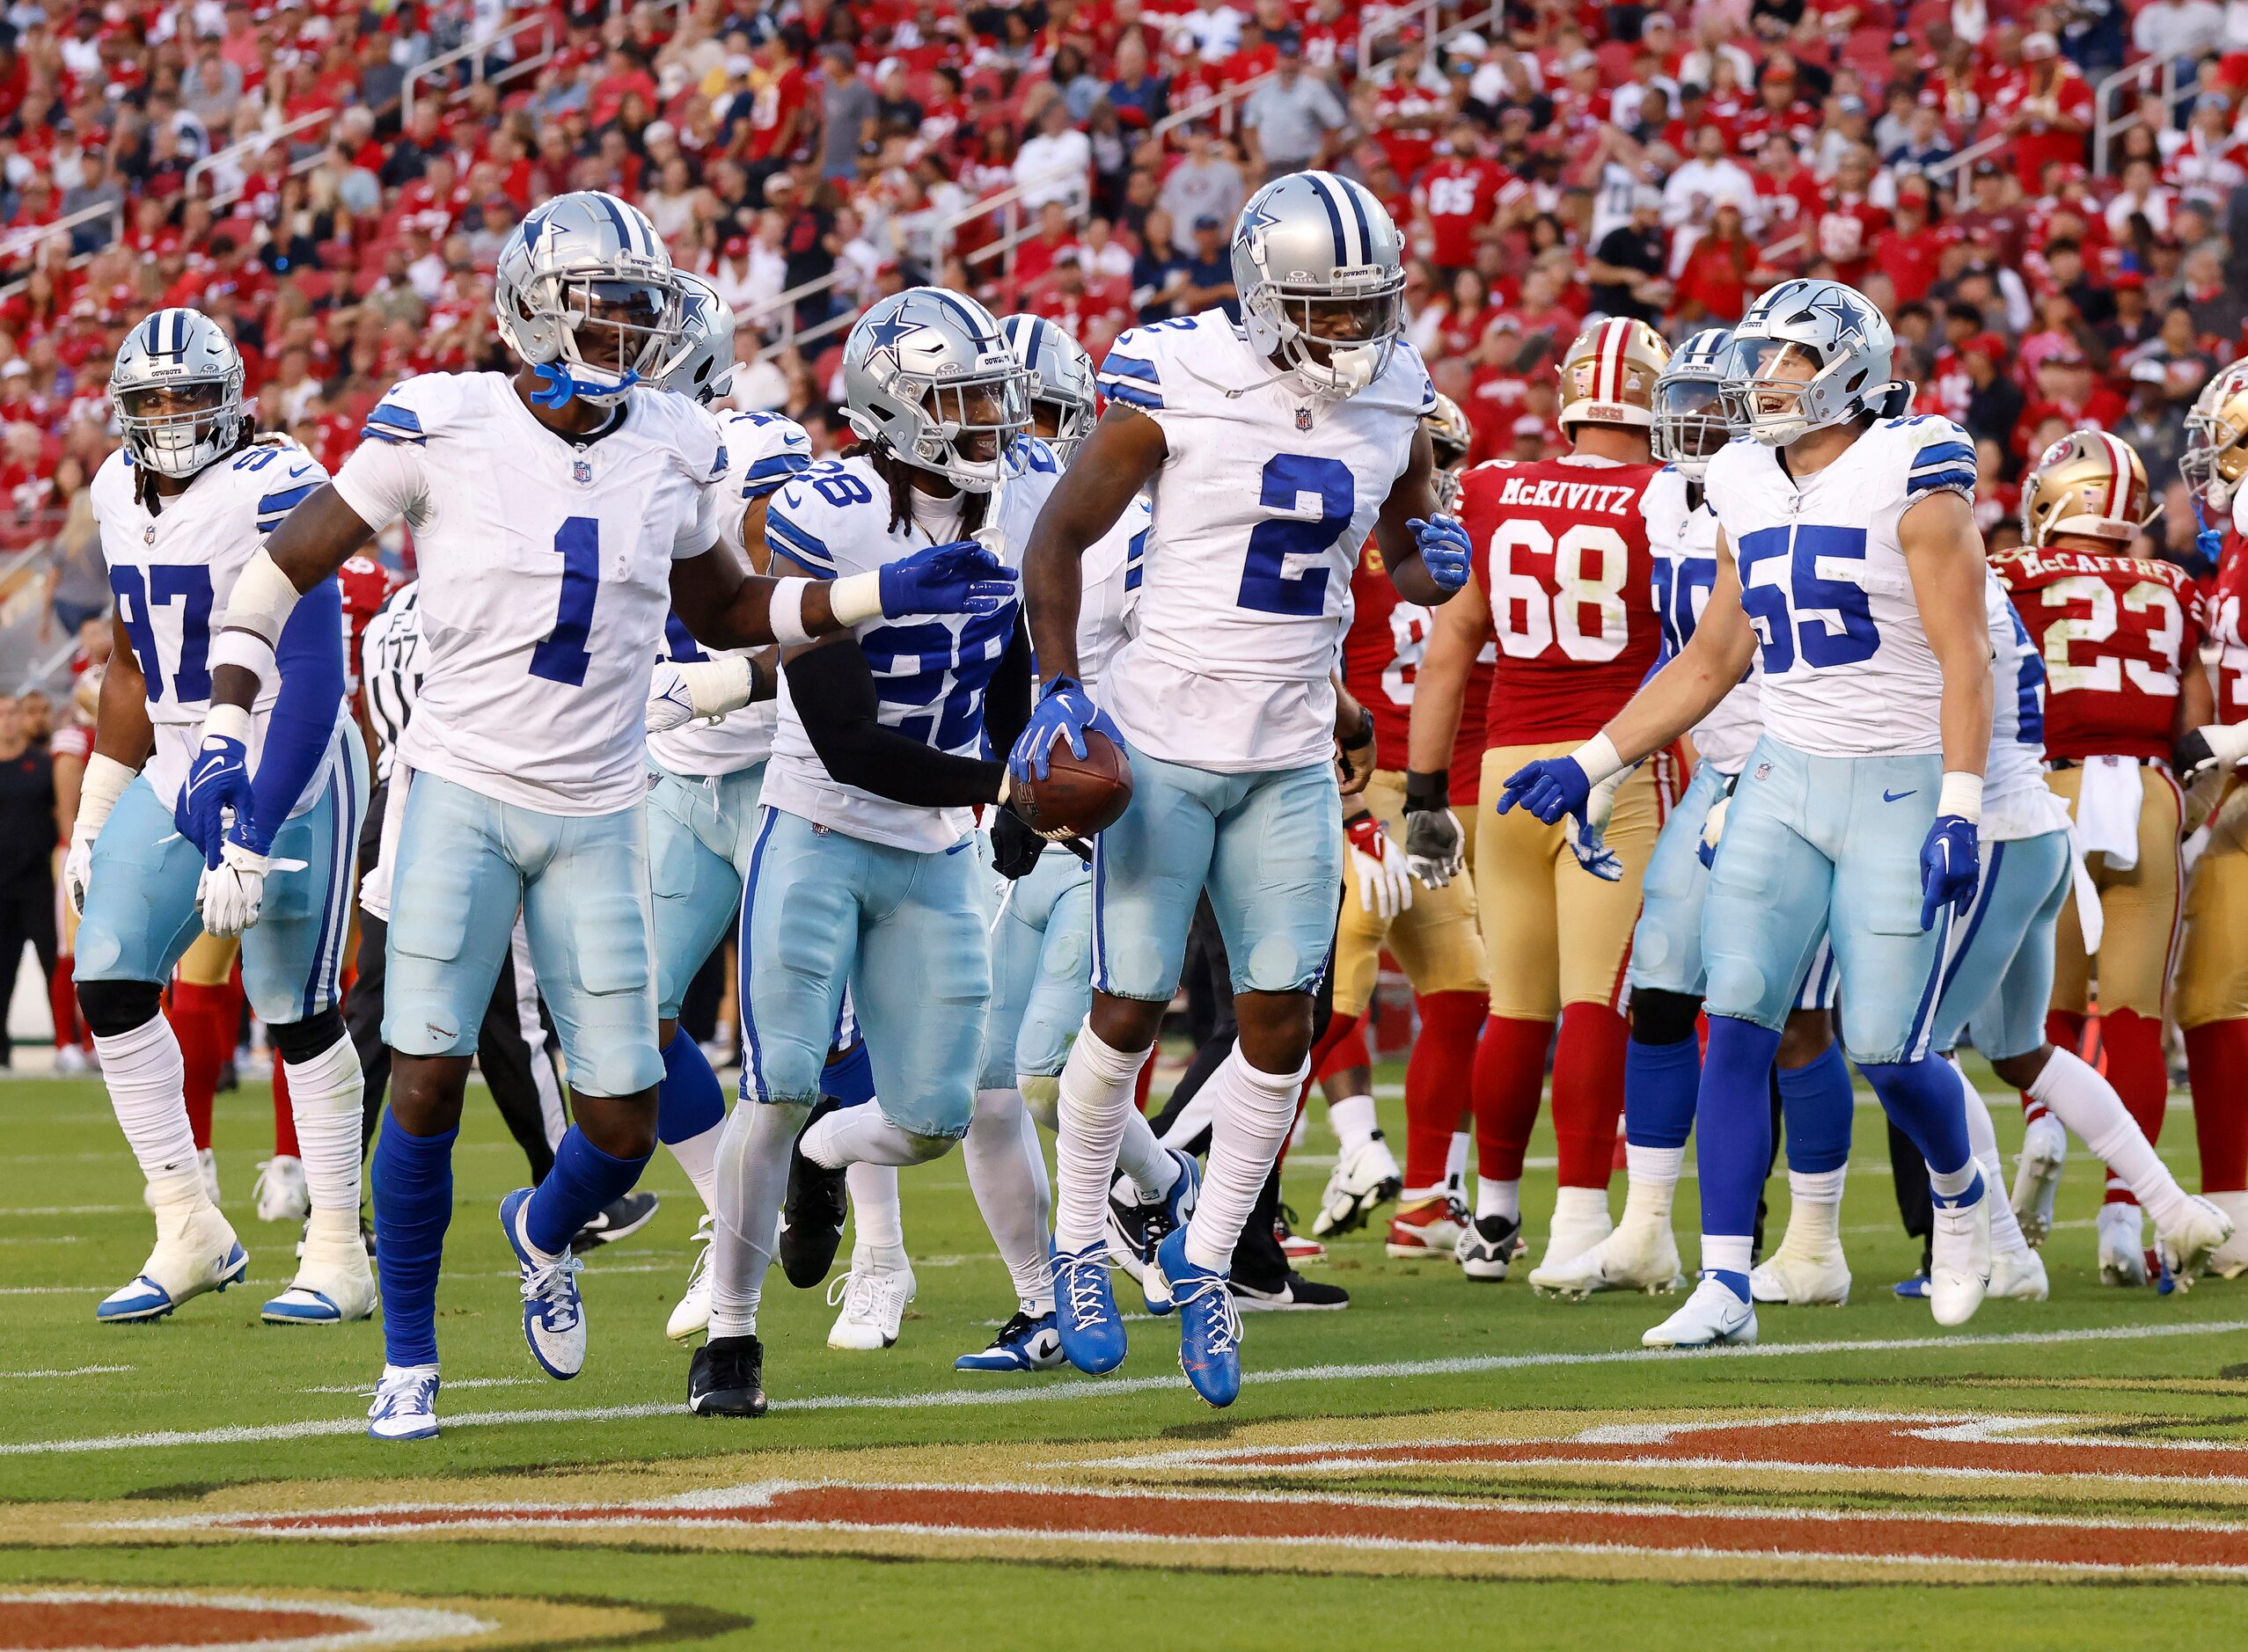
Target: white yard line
1104	1388
74	1371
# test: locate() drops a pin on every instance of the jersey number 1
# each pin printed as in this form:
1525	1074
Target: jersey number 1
563	656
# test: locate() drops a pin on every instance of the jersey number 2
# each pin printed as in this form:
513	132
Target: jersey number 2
563	656
1268	586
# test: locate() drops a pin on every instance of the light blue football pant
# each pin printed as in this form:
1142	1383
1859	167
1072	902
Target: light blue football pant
1998	979
1828	844
700	834
141	913
466	864
1042	970
1267	847
904	929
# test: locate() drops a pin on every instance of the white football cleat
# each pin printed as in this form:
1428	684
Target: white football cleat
2122	1246
280	1192
2037	1175
1802	1274
874	1305
405	1404
1711	1317
1362	1179
71	1060
693	1312
554	1313
1639	1255
333	1285
1432	1227
2231	1258
1570	1236
207	1160
2018	1278
204	1255
1958	1259
2197	1238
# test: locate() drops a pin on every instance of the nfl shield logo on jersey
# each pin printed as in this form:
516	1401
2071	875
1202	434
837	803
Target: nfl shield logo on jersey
1303	418
581	472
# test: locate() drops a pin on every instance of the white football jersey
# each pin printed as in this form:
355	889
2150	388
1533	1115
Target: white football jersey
1259	510
1847	668
173	573
2015	801
763	451
930	672
546	574
1113	567
1682	533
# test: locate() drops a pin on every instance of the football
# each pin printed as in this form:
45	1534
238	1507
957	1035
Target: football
1079	796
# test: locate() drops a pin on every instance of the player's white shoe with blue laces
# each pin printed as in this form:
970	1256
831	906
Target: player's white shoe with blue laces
203	1255
1025	1342
1210	1326
405	1404
554	1318
1712	1317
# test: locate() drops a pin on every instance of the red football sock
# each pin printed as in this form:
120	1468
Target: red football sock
2216	1055
62	1002
1509	1077
1338	1032
1346	1052
1588	1093
198	1014
1146	1080
2135	1067
284	1115
1439	1075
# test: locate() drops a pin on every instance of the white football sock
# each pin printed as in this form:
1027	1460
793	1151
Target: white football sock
1583	1205
1089	1118
698	1156
1354	1122
863	1136
1815	1209
1727	1252
1002	1175
1251	1115
2075	1094
1498	1198
1455	1161
148	1088
1982	1141
877	1215
1651	1181
1144	1159
1034	1153
753	1186
325	1095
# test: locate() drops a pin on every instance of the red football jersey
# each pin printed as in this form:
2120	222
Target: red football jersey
2112	631
1460	194
2221	607
1561	551
365	583
1382	660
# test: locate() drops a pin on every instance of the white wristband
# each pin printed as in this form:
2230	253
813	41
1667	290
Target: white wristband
103	783
785	615
247	649
263	598
855	598
1598	758
717	686
1961	795
227	722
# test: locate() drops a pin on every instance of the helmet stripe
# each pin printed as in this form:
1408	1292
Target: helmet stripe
616	217
1323	187
1356	195
1610	378
153	346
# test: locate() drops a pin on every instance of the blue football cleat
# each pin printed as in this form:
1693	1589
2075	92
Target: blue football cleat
1025	1342
554	1318
1210	1326
206	1256
1085	1311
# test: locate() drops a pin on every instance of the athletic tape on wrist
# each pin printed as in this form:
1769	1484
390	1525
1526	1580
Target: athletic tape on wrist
1597	757
103	783
1961	795
855	598
786	614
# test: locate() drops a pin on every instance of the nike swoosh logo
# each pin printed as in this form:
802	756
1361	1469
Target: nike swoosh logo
1897	797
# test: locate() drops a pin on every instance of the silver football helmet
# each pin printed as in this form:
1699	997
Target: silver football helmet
927	374
1061	378
177	387
1808	354
1321	272
1690	423
702	367
585	291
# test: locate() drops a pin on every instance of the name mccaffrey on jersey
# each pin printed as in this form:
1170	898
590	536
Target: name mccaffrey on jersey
1551	494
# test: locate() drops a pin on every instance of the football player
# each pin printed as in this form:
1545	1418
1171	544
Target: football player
1859	577
184	510
859	870
1432	929
1269	449
2213	965
558	513
2124	681
1565	580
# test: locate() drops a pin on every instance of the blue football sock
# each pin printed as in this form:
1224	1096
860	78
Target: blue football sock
412	1178
1815	1103
583	1181
689	1102
1925	1099
1659	1082
850	1078
1732	1123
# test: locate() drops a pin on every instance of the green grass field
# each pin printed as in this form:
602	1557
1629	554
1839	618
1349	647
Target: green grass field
1513	1470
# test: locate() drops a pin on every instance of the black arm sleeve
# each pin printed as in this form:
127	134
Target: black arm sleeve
834	689
1007	699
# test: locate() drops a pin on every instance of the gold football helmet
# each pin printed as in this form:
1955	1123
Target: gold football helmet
1608	375
2087	483
1450	433
2216	438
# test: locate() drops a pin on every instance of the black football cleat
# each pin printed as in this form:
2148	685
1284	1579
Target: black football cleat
811	1220
726	1378
619	1218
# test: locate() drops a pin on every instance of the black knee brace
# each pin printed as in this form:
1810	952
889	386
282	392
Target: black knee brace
116	1007
315	1034
1663	1018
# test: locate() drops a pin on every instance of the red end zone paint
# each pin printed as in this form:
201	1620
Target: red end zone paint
50	1620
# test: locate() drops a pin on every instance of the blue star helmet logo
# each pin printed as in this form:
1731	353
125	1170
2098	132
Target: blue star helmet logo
1848	319
1255	219
886	332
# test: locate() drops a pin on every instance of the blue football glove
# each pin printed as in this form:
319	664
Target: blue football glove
1064	710
2208	546
1949	865
219	780
1548	788
959	578
1445	551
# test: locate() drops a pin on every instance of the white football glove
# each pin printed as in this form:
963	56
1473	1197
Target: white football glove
1385	883
77	868
1713	830
2210	748
1587	839
679	693
231	893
